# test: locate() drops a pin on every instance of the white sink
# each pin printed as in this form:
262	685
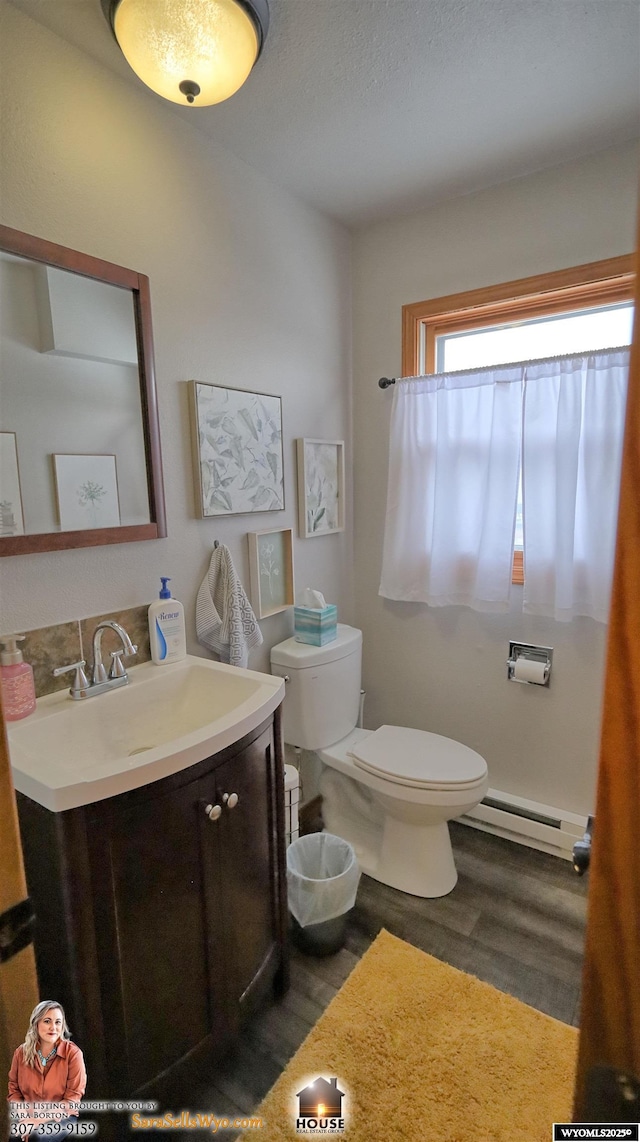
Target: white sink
70	753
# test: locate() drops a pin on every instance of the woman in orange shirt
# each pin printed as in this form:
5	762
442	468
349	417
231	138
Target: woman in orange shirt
48	1067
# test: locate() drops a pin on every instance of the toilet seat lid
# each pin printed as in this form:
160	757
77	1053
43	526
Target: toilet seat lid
419	758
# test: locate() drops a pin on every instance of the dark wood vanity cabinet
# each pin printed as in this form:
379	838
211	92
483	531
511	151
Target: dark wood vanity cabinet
161	925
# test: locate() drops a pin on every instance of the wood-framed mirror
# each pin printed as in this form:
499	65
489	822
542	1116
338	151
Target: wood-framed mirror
80	458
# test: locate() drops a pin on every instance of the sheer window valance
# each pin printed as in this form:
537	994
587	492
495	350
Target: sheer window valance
457	443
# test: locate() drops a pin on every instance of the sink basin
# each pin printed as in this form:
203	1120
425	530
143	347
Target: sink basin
70	753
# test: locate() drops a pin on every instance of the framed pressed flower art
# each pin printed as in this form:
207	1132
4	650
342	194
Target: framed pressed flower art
87	491
271	571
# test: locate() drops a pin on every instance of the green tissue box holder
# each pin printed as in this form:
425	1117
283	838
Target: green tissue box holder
315	625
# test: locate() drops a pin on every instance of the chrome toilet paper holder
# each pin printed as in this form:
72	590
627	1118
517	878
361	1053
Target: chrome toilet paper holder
525	650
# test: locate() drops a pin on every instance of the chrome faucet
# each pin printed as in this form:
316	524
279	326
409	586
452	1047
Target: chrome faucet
98	672
100	680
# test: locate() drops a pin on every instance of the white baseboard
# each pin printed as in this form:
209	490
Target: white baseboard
527	822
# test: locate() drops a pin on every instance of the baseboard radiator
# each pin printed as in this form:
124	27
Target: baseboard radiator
527	822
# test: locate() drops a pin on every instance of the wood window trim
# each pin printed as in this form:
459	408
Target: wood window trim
592	284
517	573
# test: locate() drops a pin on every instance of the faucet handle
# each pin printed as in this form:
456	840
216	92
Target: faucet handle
117	669
80	681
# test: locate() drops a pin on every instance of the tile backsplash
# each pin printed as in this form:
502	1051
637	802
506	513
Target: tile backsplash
48	647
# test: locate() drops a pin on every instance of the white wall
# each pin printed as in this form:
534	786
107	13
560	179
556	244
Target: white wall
249	288
444	669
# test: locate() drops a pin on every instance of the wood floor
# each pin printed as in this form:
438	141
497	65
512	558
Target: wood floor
515	919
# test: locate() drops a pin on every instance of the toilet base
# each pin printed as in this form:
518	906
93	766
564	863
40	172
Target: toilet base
417	859
414	858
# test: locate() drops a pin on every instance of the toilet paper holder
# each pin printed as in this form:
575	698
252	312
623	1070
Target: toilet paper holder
529	653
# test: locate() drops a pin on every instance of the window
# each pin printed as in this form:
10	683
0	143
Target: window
604	327
575	310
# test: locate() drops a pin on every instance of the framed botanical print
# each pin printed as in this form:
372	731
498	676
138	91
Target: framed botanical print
271	571
238	457
11	514
320	487
87	491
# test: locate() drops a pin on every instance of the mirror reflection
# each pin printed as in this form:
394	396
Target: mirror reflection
72	447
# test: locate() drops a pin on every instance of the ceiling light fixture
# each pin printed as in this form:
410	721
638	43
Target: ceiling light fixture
190	51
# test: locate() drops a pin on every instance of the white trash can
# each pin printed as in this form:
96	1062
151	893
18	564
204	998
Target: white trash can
322	881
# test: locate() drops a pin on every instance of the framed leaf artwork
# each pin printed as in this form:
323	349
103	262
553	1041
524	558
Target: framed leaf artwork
238	457
320	487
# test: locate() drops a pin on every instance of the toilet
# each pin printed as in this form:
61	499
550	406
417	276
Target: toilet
390	791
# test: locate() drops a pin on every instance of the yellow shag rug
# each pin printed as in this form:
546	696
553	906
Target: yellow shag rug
428	1053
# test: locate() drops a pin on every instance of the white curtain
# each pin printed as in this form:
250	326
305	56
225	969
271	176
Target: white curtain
453	480
574	413
454	461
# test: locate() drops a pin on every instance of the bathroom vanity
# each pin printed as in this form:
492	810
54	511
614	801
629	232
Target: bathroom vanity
161	909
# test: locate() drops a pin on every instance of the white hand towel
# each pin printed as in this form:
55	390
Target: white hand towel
225	622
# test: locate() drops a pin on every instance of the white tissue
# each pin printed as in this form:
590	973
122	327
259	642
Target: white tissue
311	598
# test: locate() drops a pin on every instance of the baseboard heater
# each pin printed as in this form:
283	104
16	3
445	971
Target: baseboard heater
527	822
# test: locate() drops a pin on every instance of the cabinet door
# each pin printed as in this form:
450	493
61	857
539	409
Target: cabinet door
247	861
170	998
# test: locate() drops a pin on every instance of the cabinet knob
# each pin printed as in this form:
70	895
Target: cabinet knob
213	811
230	800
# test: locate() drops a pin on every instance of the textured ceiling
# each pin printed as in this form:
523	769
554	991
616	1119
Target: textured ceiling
370	108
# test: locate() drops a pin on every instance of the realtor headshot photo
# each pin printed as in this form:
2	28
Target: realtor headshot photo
46	1068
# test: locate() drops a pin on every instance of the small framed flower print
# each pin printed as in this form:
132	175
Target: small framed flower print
271	571
87	491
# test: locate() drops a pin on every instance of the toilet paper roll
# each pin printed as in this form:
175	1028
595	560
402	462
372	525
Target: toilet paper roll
291	778
529	670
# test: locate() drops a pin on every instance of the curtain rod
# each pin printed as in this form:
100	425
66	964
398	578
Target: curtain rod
385	382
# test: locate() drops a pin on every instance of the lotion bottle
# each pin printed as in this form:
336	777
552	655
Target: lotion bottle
16	680
166	627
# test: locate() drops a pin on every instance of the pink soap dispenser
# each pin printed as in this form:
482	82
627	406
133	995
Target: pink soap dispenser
16	680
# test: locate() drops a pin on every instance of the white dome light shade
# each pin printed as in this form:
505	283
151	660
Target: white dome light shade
189	51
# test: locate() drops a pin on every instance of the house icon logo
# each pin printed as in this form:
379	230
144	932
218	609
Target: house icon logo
320	1108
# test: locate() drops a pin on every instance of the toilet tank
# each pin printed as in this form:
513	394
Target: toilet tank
322	696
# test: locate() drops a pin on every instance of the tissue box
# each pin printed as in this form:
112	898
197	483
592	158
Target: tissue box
315	625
